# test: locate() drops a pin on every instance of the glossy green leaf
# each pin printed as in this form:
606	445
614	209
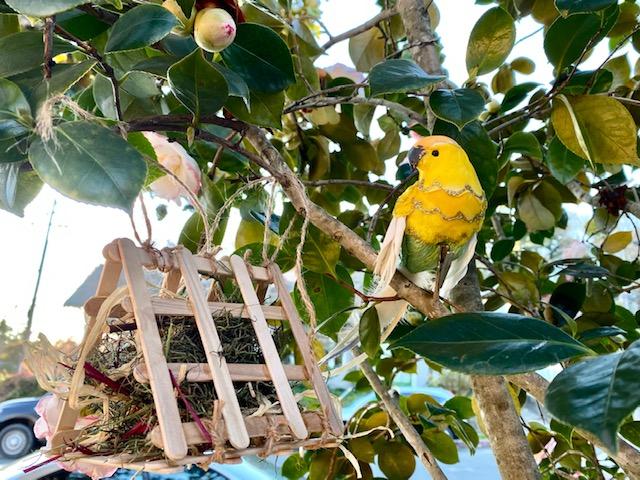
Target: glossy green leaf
91	164
491	343
397	461
568	37
266	109
533	213
141	26
442	446
261	58
600	332
459	107
563	163
362	154
23	51
40	8
461	405
370	332
236	84
9	24
198	85
398	76
596	395
516	95
367	49
491	41
15	112
501	249
568	7
524	143
596	127
18	187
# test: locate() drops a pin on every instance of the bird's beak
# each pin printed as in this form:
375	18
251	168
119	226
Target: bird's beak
414	156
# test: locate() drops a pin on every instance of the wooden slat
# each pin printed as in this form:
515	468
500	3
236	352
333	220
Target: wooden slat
257	427
149	338
213	348
240	372
300	335
171	280
92	307
180	307
269	350
107	283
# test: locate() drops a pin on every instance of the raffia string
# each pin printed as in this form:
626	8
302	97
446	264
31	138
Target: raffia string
267	225
95	328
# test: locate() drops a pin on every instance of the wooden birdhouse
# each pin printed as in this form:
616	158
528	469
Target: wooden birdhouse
189	287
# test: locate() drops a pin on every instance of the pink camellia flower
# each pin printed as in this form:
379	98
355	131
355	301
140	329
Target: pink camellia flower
177	160
49	408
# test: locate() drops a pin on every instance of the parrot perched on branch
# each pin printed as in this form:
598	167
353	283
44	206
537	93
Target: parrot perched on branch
432	235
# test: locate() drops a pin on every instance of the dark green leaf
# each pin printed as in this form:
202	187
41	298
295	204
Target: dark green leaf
266	109
398	76
567	297
9	24
599	81
459	107
15	112
501	249
18	187
601	332
563	163
141	26
517	94
198	84
261	58
23	51
91	164
567	7
568	37
598	394
82	25
524	143
40	8
491	41
370	332
237	86
491	343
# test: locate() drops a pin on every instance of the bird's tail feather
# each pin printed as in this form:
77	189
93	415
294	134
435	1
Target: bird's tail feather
387	261
458	268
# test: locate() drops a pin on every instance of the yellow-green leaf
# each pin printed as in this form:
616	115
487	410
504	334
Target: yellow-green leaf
617	241
599	124
491	41
367	49
397	461
534	214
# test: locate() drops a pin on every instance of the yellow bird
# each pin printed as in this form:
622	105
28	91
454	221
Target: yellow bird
432	232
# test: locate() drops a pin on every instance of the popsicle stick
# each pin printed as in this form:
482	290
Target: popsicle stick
149	337
300	335
107	283
180	307
240	372
257	427
171	280
269	351
225	391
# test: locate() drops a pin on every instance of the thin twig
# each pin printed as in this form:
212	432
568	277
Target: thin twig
361	28
346	181
47	35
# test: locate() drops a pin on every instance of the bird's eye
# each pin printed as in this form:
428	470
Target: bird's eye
435	153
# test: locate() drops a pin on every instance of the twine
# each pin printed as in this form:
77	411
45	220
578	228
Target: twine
267	225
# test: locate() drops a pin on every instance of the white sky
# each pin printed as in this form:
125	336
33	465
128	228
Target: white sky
80	231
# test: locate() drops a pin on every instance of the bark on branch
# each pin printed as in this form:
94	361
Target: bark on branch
382	16
627	457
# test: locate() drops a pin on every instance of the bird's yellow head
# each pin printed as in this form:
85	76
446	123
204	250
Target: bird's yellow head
441	160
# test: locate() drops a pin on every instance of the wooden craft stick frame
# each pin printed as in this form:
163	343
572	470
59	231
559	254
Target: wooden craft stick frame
184	269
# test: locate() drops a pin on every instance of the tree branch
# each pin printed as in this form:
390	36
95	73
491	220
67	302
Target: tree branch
361	28
627	457
400	419
357	183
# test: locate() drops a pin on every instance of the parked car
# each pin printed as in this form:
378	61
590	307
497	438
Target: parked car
16	427
250	468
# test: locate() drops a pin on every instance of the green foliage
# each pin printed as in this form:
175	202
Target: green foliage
491	343
546	149
594	395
